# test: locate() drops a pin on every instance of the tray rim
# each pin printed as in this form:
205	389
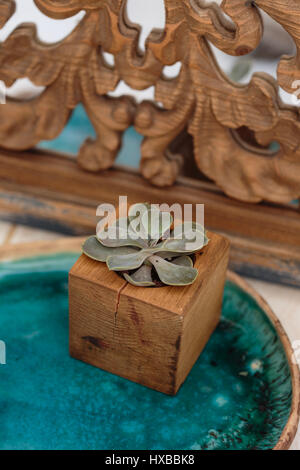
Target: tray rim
73	245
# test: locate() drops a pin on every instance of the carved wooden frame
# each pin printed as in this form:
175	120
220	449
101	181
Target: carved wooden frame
201	99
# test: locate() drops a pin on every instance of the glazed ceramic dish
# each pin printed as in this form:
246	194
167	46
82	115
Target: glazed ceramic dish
243	392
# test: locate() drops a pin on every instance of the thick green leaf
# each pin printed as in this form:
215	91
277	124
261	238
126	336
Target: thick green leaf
187	239
149	222
161	250
183	261
120	234
136	212
156	224
141	278
127	262
172	274
169	255
95	250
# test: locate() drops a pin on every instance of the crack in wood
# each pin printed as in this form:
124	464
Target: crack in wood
117	306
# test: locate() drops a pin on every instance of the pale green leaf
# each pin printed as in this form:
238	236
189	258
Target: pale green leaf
95	250
141	278
173	275
187	240
156	224
136	212
120	234
183	261
127	262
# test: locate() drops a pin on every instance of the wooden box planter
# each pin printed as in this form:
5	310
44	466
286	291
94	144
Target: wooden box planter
152	336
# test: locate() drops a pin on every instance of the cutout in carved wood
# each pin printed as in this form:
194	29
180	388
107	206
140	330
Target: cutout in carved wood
201	98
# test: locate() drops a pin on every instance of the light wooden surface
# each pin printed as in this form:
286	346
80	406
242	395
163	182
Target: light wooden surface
284	301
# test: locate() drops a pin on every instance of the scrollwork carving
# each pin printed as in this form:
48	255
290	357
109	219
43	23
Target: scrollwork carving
7	9
201	99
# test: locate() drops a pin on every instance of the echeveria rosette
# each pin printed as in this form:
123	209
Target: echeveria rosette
138	248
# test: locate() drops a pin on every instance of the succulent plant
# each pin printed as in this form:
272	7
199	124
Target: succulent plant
147	253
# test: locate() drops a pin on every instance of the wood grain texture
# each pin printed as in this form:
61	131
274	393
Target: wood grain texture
45	173
201	99
150	336
49	191
41	248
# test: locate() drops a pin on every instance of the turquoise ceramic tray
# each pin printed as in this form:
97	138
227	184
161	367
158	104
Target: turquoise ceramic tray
240	394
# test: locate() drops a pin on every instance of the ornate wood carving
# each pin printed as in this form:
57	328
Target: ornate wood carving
201	98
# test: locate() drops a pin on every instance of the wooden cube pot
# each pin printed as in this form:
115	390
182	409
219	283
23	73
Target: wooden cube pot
152	336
